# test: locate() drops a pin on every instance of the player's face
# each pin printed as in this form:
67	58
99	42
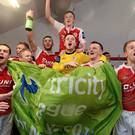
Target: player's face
95	51
19	48
4	54
70	42
26	56
69	19
130	52
47	43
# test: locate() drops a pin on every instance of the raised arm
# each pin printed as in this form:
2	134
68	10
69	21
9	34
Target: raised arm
32	43
48	12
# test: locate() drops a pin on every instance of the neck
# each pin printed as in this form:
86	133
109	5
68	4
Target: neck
2	66
70	51
131	64
69	26
49	51
94	60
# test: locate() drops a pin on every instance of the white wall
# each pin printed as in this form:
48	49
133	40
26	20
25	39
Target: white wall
110	22
41	28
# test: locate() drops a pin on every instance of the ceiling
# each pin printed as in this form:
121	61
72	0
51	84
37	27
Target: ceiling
13	17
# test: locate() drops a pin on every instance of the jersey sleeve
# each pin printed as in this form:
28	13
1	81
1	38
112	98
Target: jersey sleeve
103	58
84	58
38	51
58	26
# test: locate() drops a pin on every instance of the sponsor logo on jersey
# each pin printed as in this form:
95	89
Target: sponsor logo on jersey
5	83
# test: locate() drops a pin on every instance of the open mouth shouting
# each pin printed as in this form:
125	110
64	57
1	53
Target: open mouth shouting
1	57
91	53
69	44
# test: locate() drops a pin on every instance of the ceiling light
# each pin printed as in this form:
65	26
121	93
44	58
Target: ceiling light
14	3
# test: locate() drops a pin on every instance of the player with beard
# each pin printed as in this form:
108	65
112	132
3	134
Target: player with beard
44	58
6	87
70	59
67	27
126	75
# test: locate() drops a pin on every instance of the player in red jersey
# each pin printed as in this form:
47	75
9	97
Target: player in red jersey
126	75
20	46
67	27
6	87
26	56
44	58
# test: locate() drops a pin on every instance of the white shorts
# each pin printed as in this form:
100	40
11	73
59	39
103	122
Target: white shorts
126	124
6	124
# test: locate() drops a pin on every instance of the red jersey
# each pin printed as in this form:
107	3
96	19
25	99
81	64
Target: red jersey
42	57
63	31
16	58
19	59
6	85
127	78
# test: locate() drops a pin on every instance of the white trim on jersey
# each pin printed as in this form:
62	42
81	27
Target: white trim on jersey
126	66
58	26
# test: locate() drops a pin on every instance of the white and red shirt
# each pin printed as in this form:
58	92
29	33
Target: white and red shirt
126	75
63	31
6	85
42	57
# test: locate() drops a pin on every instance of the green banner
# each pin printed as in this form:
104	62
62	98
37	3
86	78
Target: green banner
47	102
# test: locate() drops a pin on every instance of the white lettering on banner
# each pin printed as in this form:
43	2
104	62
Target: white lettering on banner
52	86
51	129
70	89
23	125
102	91
33	131
20	123
74	86
77	86
65	110
59	84
77	129
41	110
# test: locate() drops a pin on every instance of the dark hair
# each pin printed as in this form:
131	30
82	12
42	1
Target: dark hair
69	11
106	53
47	36
125	45
1	44
25	44
95	42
